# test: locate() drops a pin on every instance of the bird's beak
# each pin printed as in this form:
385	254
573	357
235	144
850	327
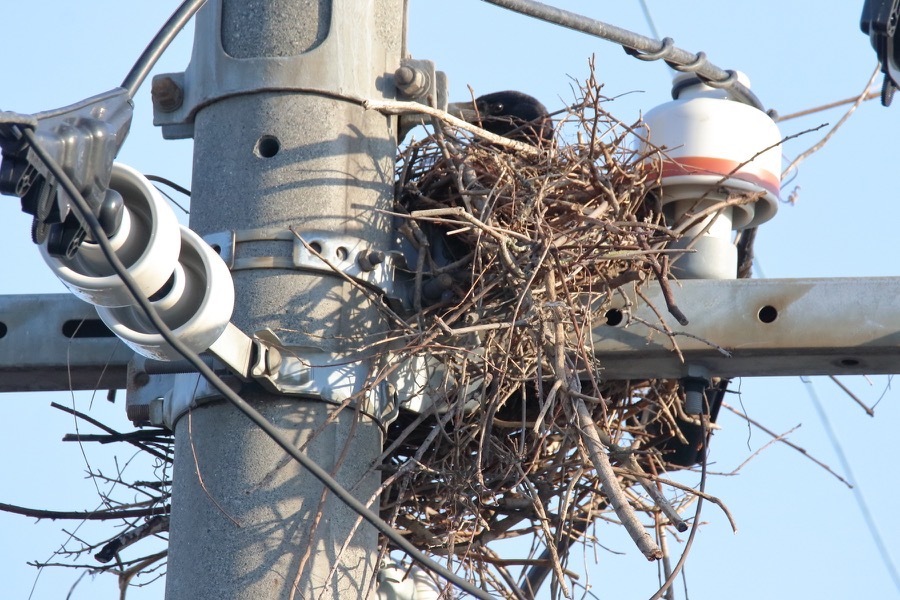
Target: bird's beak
464	110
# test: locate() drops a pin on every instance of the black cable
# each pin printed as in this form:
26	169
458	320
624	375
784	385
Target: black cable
194	359
709	73
169	183
148	58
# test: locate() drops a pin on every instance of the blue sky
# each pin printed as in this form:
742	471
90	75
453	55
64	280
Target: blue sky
800	532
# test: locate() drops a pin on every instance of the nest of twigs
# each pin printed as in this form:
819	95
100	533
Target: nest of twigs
520	251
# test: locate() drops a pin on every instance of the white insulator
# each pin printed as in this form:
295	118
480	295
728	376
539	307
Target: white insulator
704	148
147	243
196	303
710	145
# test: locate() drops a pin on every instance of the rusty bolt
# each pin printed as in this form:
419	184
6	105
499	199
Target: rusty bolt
166	94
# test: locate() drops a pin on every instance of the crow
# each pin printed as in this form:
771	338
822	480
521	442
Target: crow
512	114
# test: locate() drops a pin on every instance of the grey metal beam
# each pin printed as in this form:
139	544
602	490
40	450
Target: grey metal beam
832	326
839	326
56	342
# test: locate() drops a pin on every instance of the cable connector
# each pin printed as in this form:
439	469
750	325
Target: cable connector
879	21
84	139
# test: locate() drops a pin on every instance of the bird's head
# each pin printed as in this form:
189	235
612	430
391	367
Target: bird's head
511	114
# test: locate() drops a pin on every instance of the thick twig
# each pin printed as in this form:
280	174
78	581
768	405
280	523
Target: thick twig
395	107
611	486
153	526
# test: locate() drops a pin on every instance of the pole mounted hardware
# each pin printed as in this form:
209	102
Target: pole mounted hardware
327	253
84	138
419	81
879	21
695	383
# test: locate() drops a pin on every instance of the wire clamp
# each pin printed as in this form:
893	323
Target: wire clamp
83	138
325	252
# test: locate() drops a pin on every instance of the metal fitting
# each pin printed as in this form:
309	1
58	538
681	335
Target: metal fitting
166	94
368	260
695	382
412	81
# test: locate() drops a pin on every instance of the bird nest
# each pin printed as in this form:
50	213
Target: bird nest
520	252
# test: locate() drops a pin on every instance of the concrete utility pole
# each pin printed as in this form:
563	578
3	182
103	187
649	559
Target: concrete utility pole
277	147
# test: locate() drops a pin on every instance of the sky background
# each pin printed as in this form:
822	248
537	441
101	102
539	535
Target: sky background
801	534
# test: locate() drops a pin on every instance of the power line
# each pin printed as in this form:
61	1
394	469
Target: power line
157	46
637	45
857	490
648	16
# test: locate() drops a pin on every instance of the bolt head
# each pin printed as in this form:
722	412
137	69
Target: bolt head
166	94
411	81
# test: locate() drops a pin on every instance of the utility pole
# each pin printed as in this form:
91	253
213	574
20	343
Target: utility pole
279	147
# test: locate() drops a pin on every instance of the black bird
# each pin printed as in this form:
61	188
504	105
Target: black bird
509	113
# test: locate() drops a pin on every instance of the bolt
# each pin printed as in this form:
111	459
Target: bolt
695	382
694	395
138	413
166	94
369	259
140	379
411	81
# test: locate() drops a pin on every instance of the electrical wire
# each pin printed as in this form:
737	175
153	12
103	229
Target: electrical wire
648	16
149	57
169	183
242	405
637	45
861	503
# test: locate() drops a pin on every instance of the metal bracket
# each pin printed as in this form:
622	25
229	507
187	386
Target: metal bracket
740	328
324	252
879	21
419	81
756	328
214	73
175	387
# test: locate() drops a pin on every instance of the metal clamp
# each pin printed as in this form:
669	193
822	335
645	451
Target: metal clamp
218	71
322	252
418	81
83	138
280	369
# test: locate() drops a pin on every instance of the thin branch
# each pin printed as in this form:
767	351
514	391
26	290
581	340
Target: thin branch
85	515
111	431
787	443
818	146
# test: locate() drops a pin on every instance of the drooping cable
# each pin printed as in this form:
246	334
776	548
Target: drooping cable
149	57
640	46
242	405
